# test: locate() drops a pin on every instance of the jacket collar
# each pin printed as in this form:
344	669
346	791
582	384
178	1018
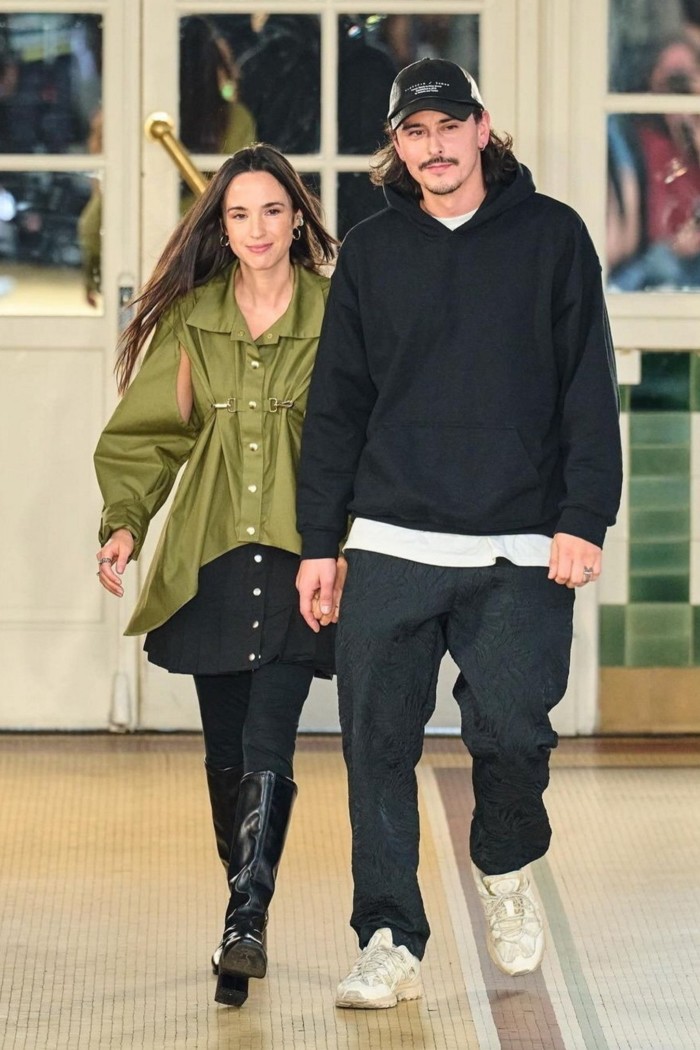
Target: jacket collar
216	309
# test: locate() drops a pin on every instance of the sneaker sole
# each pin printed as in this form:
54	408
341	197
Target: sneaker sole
521	971
404	994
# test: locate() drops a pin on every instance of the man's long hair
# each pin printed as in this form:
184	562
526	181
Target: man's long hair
498	164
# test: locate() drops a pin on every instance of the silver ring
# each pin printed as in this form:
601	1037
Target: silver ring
106	561
588	573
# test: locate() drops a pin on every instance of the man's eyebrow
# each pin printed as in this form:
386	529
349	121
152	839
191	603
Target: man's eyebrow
408	123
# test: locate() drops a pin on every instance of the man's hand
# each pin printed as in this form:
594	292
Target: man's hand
316	580
573	561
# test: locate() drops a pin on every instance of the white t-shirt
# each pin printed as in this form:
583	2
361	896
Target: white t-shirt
445	548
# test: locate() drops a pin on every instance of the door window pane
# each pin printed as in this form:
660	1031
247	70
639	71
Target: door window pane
50	243
357	199
213	118
371	50
653	217
250	77
653	46
50	81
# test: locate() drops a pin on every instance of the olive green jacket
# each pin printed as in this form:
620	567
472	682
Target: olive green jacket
241	444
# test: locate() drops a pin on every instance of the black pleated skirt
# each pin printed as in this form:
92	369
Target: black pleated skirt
245	614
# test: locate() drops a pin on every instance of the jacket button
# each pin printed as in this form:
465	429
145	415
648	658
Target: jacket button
250	530
257	592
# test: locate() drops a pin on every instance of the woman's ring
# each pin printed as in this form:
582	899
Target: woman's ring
587	573
105	561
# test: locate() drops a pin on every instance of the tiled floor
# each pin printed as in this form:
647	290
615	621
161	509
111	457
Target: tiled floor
111	898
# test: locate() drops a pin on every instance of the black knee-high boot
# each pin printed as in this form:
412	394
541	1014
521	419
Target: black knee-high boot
264	807
223	785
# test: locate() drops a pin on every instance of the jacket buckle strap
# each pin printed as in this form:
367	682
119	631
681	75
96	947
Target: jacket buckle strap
274	404
231	405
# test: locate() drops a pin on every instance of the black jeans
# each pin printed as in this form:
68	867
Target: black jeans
251	719
509	631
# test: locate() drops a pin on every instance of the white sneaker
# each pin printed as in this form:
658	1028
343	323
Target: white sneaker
383	976
515	933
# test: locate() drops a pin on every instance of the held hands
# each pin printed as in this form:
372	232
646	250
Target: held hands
320	583
112	558
573	561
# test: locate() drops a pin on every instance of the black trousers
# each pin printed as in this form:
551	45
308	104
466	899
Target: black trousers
250	719
509	631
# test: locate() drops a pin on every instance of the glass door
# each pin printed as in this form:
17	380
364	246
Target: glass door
68	242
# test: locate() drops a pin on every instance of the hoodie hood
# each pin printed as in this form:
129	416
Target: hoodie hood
498	199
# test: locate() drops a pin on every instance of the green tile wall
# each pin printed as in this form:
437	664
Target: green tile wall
658	627
694	382
665	385
611	625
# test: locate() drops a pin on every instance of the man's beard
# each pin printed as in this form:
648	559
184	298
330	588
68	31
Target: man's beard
441	189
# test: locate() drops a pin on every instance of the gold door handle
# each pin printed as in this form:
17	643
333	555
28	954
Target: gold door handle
160	127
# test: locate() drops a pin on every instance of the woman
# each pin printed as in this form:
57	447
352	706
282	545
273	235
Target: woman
234	308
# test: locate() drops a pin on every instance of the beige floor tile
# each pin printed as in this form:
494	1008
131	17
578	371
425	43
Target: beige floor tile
111	899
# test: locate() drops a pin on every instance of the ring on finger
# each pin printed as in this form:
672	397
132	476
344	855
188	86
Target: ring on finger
104	561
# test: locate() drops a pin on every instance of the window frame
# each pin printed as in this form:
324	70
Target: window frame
642	320
328	163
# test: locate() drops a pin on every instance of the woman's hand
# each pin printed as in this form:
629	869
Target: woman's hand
112	558
340	576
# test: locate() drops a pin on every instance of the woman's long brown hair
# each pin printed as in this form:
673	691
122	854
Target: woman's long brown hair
194	253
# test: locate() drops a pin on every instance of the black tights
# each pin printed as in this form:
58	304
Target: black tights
250	719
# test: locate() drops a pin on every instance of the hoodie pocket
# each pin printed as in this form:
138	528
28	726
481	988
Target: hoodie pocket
466	477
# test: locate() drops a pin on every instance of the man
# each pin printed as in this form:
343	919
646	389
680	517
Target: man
464	413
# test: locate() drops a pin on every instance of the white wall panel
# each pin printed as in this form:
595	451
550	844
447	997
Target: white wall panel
52	415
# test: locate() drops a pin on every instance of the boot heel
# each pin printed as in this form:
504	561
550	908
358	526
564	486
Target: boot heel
247	960
231	989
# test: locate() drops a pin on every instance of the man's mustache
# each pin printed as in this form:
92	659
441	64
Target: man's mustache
436	160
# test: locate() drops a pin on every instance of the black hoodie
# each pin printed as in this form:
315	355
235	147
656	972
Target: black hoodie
465	380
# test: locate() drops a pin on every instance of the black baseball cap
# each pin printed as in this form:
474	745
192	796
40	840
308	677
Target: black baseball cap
433	83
